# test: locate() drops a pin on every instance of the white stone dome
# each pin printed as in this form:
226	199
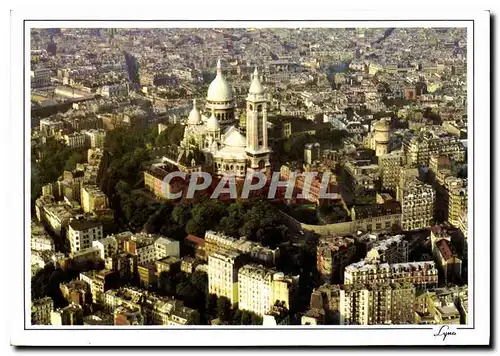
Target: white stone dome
194	116
256	87
235	139
213	123
219	89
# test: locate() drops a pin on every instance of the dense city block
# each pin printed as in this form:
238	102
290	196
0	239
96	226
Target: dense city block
365	129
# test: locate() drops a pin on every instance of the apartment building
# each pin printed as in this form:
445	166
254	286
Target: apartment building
95	137
155	310
99	282
445	255
376	217
421	274
362	304
40	239
82	233
75	140
154	181
406	176
56	214
420	148
69	315
457	200
41	310
259	288
223	269
333	254
92	198
378	303
417	206
75	291
126	315
165	247
390	165
214	241
149	248
107	246
391	250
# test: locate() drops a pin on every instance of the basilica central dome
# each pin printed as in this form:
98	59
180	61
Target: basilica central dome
219	90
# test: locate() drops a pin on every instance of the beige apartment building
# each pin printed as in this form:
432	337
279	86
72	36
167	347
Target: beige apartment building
457	200
223	274
377	304
362	304
259	288
41	310
420	148
390	165
423	273
417	206
92	198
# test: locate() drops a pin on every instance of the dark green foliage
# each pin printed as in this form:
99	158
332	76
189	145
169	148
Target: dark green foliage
331	214
224	309
46	282
211	305
263	223
246	318
231	223
54	157
256	319
172	135
258	221
237	317
204	215
396	102
330	138
75	158
294	145
194	318
307	214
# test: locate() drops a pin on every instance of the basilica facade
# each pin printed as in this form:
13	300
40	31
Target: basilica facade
216	133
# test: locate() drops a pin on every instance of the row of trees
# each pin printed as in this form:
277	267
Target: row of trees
229	315
258	221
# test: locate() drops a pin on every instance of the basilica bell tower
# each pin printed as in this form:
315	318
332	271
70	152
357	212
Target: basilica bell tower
257	148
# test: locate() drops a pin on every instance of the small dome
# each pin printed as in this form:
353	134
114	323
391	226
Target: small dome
219	89
382	125
213	123
194	116
235	139
256	87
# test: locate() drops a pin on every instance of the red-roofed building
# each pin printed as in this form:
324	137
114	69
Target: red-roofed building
448	260
153	181
198	245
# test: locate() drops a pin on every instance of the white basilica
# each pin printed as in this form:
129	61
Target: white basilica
225	148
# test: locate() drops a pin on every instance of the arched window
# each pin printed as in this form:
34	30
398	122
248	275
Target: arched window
259	108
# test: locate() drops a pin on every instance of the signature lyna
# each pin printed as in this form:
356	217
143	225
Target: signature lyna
444	332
